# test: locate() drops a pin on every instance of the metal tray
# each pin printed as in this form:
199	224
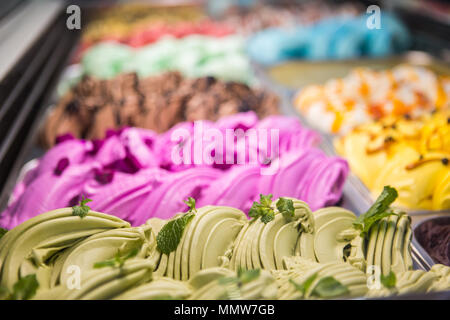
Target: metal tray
286	74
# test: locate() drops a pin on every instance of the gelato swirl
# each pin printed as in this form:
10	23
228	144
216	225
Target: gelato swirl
28	247
157	289
134	174
417	281
220	255
104	284
364	95
207	238
123	19
94	106
263	245
193	56
299	269
389	244
259	16
341	37
409	154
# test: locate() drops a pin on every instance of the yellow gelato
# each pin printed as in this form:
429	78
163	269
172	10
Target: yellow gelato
411	155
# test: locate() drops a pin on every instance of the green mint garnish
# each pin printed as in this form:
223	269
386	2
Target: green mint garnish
170	234
377	211
388	281
286	208
191	204
304	287
263	209
233	284
242	277
3	231
246	276
24	289
82	209
228	280
232	290
329	287
118	260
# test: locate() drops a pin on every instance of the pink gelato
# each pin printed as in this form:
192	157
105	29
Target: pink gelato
135	173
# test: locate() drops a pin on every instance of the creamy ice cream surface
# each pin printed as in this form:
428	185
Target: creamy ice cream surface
285	251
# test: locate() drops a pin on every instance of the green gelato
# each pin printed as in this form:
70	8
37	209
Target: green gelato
284	252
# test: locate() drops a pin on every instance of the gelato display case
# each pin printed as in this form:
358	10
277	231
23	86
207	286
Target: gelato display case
205	150
35	48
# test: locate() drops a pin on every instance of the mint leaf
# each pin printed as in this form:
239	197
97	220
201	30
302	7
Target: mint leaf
379	210
329	287
3	231
232	290
118	260
191	204
268	216
388	281
304	287
265	201
286	208
242	277
246	276
233	284
131	254
170	234
106	263
263	209
228	280
25	288
82	209
298	287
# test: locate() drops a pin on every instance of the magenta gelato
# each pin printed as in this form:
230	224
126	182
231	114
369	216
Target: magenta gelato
137	174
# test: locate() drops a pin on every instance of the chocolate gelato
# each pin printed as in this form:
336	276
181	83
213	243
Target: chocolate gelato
434	236
156	103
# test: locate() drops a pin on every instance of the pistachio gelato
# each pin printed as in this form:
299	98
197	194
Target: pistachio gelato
285	251
32	246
